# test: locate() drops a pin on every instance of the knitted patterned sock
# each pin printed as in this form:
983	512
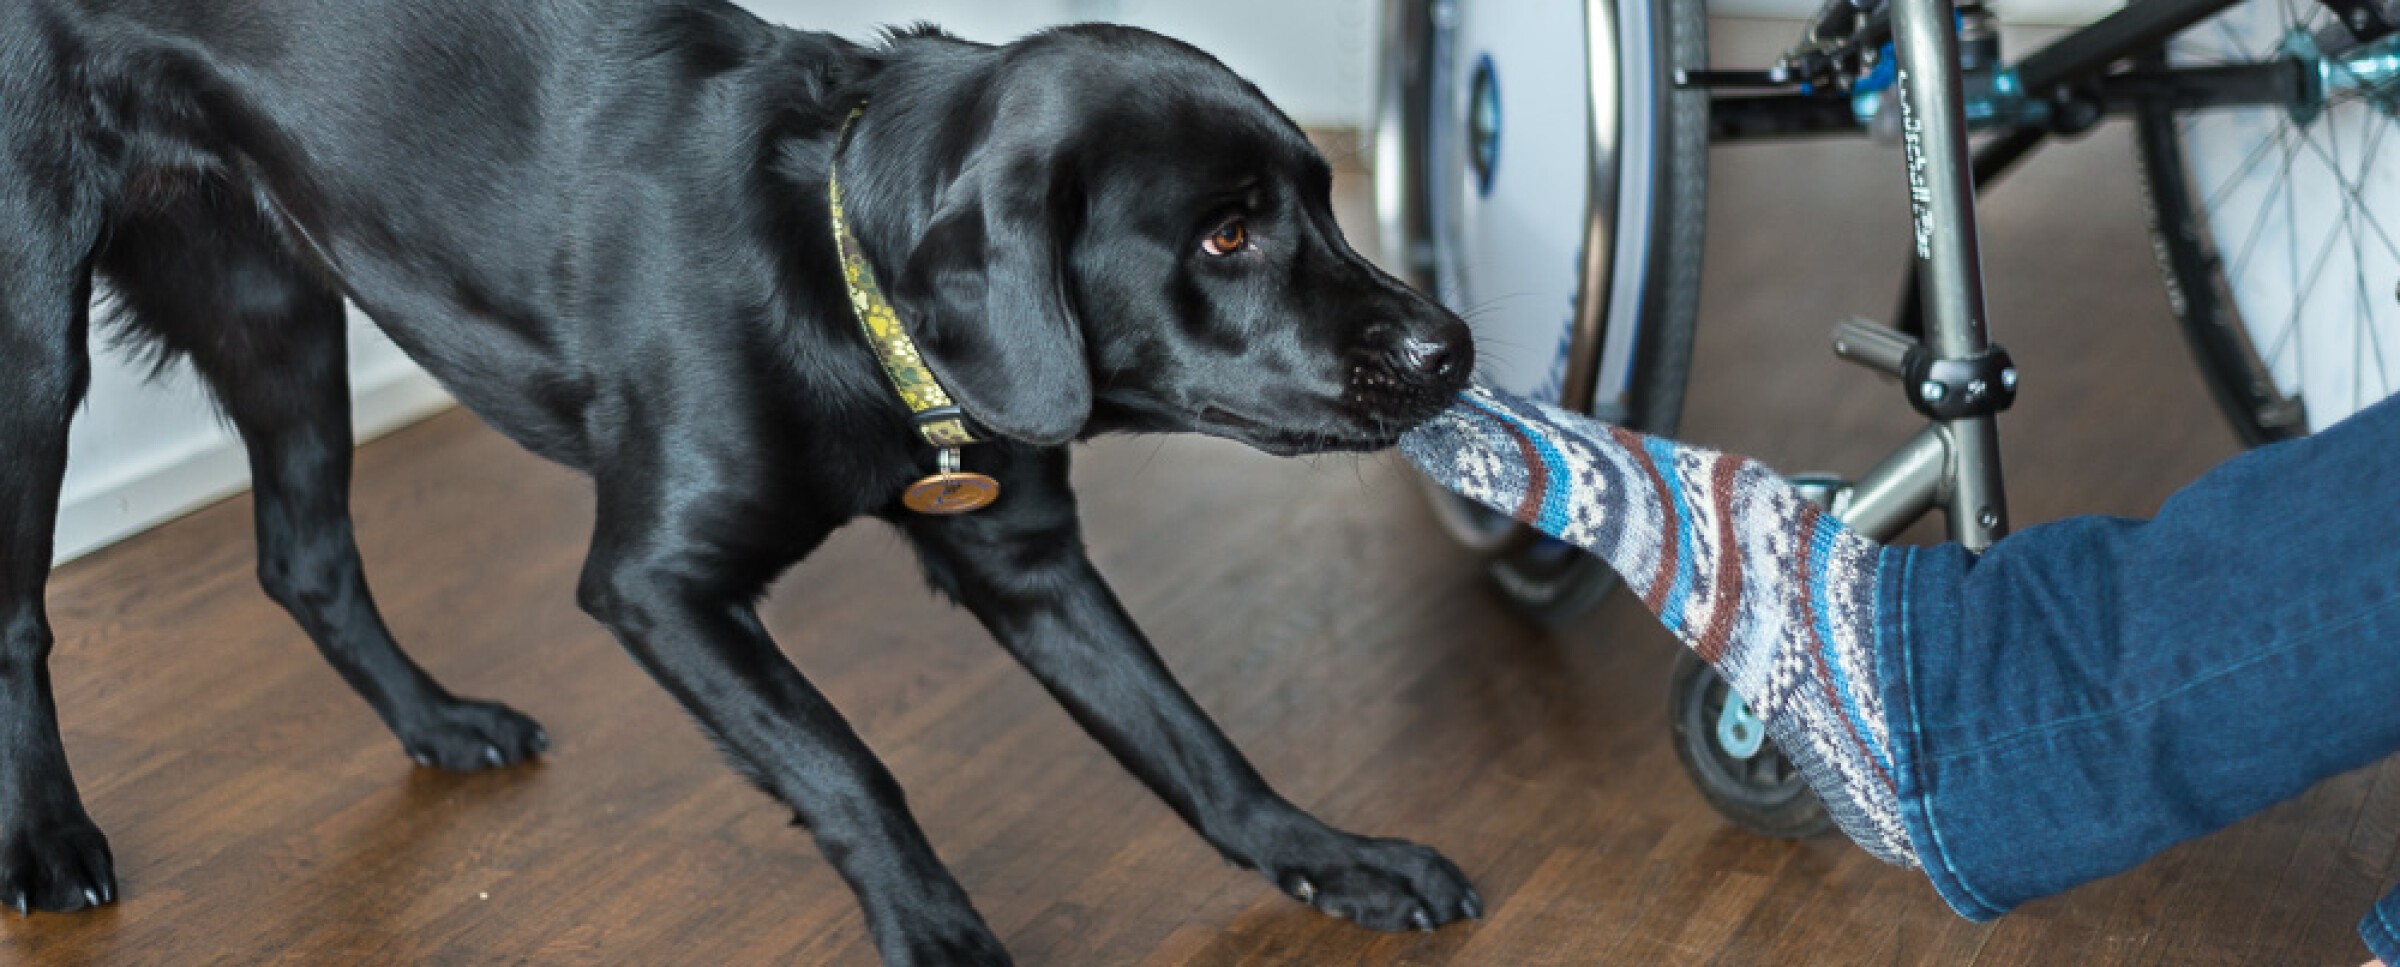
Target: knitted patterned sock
1777	596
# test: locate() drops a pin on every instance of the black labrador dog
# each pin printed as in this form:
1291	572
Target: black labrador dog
604	225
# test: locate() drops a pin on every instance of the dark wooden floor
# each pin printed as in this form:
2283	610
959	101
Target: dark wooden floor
260	814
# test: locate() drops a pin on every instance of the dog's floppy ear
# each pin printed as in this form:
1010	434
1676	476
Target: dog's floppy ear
984	294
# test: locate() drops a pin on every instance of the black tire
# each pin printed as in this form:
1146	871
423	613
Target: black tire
2196	290
1761	793
1549	583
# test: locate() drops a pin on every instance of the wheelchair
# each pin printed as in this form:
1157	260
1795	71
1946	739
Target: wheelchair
1541	167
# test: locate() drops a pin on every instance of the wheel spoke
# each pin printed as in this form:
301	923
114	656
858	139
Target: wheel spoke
2266	209
2291	245
2365	321
2363	335
2283	179
2257	155
2226	28
2333	139
2360	315
2315	15
2300	294
2366	163
2358	333
2350	194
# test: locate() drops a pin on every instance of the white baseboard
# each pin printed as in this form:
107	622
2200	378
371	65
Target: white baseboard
218	469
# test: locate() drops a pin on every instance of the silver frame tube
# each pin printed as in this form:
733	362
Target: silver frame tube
1906	485
1941	190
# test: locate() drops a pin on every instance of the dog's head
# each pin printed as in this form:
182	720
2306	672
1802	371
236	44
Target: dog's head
1099	228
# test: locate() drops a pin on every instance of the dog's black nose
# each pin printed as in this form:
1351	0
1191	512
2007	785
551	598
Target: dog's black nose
1433	358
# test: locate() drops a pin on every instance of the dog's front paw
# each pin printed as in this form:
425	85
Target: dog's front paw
953	945
465	735
60	866
1383	884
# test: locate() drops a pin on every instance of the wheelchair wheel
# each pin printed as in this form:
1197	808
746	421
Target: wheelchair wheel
1733	763
1537	170
2277	228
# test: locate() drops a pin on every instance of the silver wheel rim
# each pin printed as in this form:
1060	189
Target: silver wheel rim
1620	189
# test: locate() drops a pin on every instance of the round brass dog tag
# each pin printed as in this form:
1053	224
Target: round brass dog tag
951	493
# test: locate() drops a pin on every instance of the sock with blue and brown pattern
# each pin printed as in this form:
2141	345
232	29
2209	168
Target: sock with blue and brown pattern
1773	593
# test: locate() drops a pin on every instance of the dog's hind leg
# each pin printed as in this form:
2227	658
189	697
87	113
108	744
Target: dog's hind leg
51	855
209	277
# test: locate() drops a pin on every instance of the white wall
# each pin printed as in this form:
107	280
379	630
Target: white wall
988	21
143	454
2022	13
1315	58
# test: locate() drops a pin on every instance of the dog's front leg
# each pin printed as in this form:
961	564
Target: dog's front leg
1021	568
663	589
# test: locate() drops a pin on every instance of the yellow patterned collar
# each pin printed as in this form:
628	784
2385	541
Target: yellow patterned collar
948	490
937	417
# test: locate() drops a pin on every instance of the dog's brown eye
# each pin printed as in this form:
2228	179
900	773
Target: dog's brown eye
1229	238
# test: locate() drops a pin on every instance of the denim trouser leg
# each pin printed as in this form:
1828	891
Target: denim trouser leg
2089	692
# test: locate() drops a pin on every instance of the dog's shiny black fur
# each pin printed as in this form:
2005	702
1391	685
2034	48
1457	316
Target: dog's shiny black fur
603	225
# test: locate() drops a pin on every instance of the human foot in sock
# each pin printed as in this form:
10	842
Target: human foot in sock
1776	595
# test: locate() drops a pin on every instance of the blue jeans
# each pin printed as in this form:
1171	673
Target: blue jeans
2089	692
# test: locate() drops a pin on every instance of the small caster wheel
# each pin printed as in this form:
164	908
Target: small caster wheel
1823	489
1738	769
1725	749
